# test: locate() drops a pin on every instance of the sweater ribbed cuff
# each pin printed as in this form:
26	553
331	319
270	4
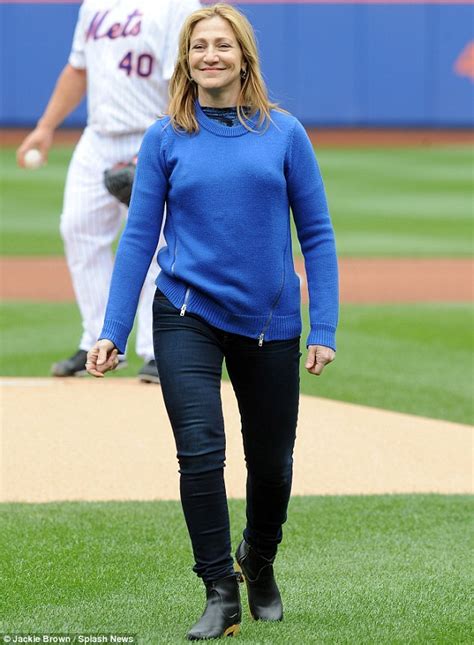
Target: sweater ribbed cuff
117	333
322	335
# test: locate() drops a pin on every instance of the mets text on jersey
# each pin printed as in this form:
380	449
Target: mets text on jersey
131	27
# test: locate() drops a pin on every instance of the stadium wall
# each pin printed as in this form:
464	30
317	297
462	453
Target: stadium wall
331	63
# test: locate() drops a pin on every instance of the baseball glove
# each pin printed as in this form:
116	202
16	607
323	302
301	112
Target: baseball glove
119	180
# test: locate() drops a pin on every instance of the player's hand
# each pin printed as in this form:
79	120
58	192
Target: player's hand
102	358
318	357
41	139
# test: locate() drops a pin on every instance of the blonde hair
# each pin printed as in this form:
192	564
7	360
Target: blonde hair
183	90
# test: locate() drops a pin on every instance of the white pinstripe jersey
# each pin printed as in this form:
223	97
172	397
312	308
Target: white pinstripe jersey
128	48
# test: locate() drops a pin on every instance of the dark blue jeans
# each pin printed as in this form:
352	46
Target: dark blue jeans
190	354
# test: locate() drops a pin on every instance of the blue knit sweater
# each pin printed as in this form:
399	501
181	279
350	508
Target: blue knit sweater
228	258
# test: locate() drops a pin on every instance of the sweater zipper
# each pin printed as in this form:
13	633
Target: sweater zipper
274	306
175	255
269	319
185	303
267	324
261	337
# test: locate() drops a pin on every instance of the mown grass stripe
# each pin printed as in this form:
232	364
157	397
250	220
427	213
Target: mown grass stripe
384	201
358	570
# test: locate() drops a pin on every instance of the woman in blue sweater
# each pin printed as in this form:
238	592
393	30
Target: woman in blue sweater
229	165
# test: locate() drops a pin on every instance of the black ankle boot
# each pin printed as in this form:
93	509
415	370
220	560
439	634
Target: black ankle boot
263	594
223	612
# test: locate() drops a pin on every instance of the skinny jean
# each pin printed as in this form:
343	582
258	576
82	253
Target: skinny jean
190	355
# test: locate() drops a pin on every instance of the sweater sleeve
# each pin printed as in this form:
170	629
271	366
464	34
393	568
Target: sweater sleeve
140	238
316	236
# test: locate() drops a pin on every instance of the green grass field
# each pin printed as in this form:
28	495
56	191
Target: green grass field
375	570
390	356
381	570
384	202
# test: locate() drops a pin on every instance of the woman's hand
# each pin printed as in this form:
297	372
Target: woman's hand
318	357
102	358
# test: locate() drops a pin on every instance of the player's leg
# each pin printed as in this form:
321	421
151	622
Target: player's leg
90	221
149	373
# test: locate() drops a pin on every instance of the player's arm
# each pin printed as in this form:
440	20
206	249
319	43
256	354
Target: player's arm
68	93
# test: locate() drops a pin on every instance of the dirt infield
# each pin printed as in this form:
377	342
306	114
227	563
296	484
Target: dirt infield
323	137
120	446
44	279
384	138
115	451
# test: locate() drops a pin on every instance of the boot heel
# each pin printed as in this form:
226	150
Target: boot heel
233	630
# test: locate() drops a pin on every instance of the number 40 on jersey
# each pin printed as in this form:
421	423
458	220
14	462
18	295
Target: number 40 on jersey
141	65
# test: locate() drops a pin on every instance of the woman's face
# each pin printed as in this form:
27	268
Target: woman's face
215	61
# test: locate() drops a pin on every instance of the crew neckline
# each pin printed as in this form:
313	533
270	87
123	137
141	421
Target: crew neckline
220	129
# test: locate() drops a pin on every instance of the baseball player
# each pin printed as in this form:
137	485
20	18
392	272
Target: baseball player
123	55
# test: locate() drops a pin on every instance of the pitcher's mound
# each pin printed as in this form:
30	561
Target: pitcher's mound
81	439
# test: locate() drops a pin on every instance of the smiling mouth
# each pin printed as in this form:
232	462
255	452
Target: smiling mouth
213	69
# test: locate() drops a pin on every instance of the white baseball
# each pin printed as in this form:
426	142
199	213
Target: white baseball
33	159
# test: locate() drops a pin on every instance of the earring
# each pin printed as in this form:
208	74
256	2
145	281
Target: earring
243	74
